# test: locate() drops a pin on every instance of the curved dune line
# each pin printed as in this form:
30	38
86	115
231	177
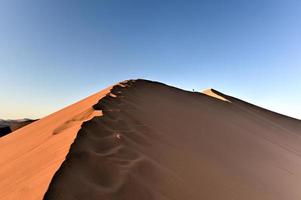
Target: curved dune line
30	156
154	141
211	92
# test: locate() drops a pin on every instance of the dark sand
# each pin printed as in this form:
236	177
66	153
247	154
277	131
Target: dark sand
4	130
154	141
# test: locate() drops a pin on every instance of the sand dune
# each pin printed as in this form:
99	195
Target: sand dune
8	126
30	156
4	130
146	140
215	94
17	125
159	142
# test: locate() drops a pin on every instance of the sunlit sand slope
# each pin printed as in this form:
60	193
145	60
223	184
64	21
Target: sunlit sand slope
30	156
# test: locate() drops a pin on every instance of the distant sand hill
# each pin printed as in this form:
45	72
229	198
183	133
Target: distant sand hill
213	93
8	126
143	140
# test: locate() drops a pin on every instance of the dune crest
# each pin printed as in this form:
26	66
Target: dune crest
158	142
146	140
30	156
215	94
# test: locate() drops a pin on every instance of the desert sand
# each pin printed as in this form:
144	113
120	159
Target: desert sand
8	126
30	156
159	142
213	93
141	140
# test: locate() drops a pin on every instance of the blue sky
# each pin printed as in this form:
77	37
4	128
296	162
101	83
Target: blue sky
56	52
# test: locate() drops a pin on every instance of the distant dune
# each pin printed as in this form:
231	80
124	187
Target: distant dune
213	93
8	126
4	130
143	140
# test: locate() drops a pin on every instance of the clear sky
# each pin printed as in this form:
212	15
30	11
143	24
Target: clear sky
56	52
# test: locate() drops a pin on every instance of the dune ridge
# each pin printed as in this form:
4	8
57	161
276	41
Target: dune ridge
155	141
30	156
213	93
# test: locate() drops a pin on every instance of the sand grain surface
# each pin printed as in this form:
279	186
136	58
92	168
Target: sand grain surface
154	141
30	156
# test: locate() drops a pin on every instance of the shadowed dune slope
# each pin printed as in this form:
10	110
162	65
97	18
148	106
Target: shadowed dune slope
158	142
4	130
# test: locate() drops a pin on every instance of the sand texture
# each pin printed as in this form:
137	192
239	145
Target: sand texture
8	126
30	156
156	142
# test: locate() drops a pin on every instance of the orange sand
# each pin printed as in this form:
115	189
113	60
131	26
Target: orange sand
146	140
30	156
